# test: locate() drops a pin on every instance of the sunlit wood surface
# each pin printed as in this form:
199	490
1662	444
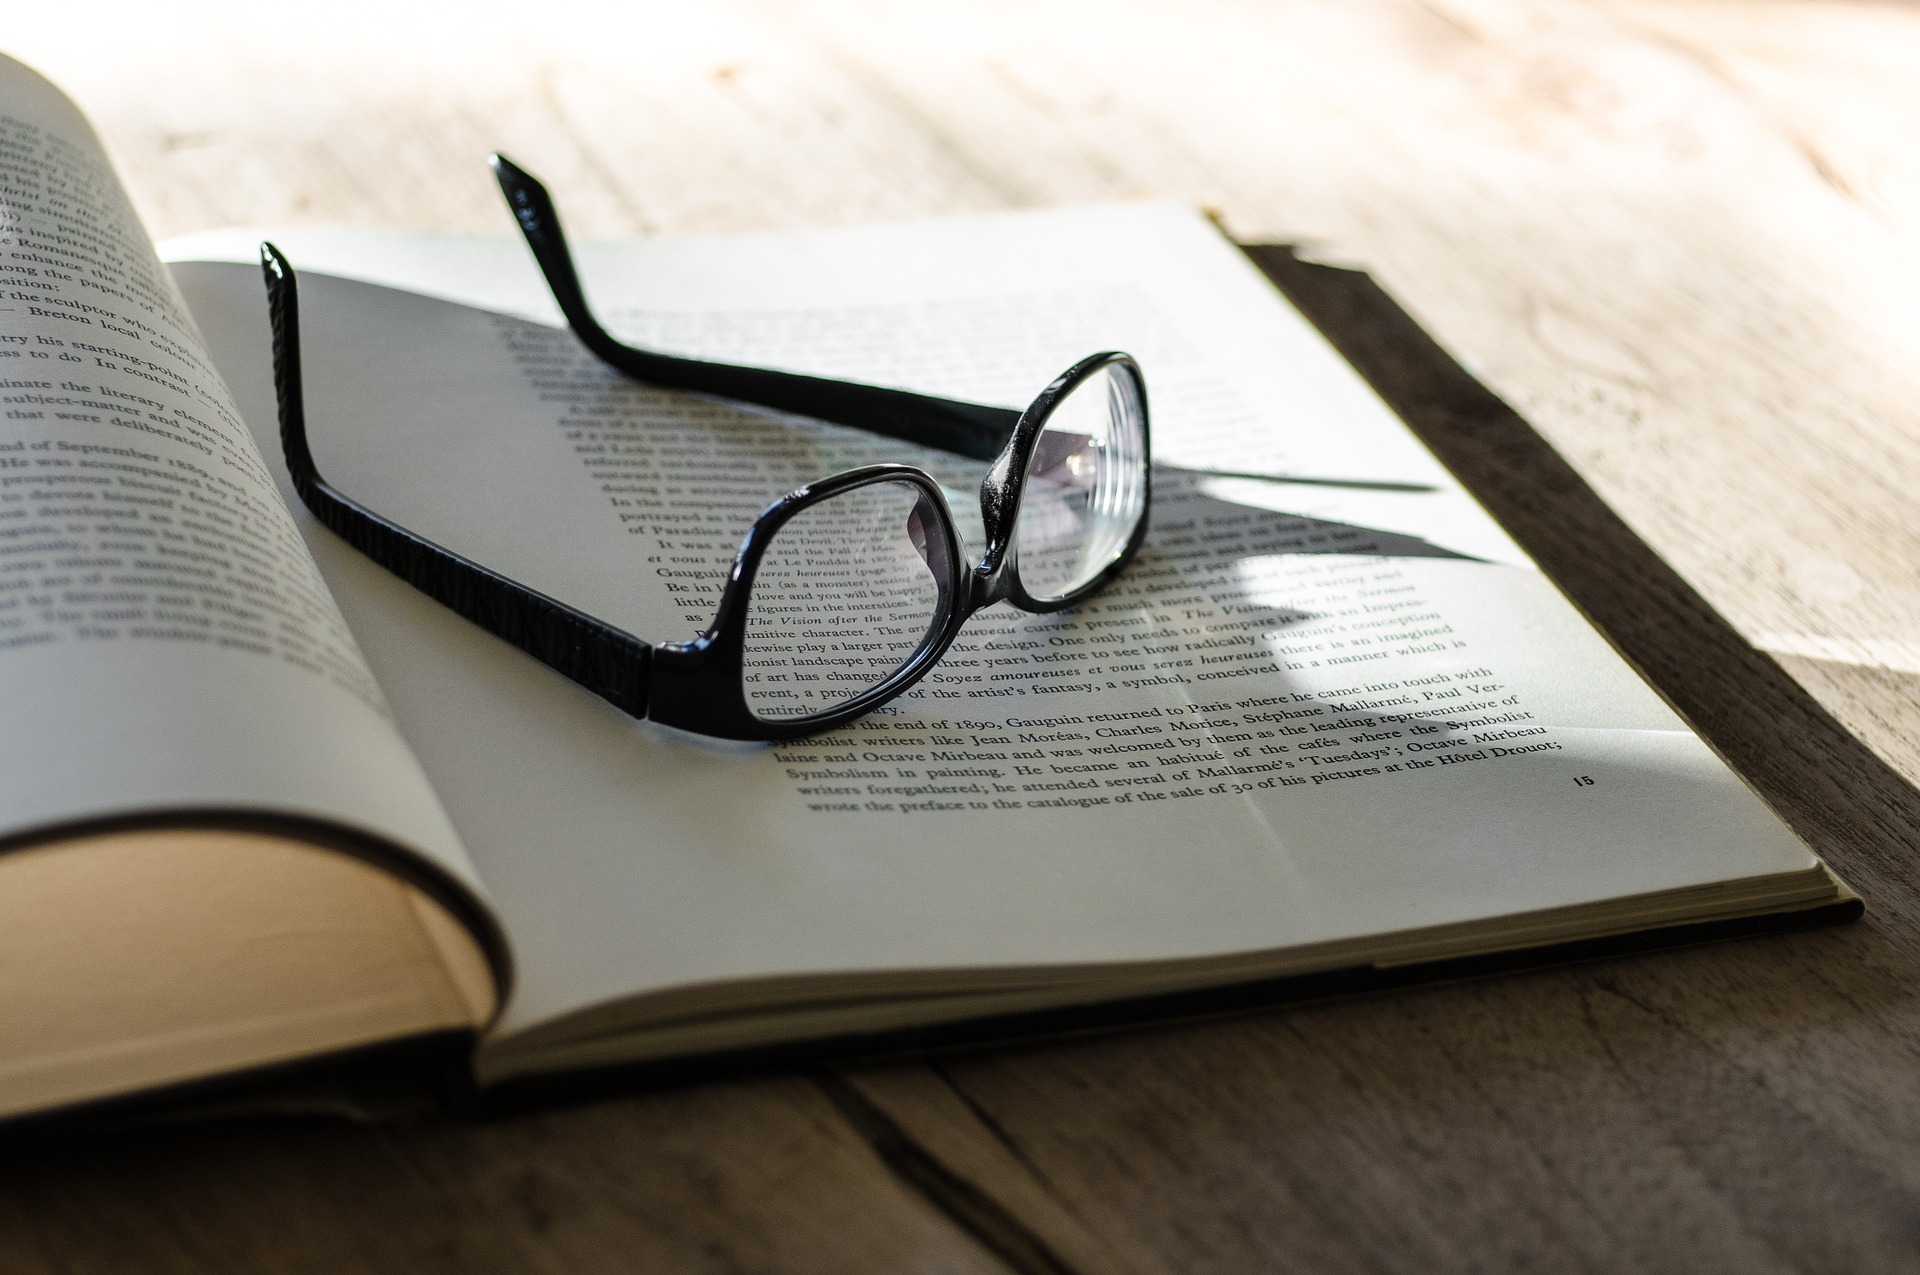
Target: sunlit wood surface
1681	237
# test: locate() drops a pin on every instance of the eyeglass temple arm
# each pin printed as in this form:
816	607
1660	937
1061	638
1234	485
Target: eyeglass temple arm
612	664
968	429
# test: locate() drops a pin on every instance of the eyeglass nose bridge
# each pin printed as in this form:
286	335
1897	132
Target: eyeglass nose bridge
988	585
993	578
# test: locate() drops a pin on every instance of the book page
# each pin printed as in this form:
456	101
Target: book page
1331	699
166	644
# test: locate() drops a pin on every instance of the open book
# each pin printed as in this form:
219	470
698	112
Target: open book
263	801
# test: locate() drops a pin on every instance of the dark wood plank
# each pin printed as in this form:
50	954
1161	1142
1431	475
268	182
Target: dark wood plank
751	1176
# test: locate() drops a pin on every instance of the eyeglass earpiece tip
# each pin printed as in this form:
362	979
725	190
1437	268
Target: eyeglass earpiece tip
506	171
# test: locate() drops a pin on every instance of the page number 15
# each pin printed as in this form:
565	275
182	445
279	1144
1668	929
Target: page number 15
1583	781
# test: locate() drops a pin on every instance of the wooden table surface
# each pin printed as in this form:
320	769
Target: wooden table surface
1680	237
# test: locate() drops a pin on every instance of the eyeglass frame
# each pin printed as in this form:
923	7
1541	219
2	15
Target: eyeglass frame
699	685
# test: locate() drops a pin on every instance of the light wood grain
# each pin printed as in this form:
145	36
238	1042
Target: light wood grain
1682	237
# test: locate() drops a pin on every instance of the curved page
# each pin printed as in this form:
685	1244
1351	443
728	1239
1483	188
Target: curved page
167	649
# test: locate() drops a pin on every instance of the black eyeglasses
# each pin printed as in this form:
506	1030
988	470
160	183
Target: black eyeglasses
845	592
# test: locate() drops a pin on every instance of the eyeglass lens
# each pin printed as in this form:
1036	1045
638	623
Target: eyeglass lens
1086	486
848	590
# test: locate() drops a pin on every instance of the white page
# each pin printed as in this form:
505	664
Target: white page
1432	734
165	642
